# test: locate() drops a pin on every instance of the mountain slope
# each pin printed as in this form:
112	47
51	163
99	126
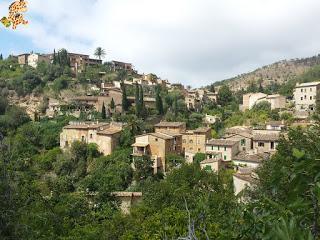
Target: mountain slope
277	73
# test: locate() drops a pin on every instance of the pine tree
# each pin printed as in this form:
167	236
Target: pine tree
103	112
1	57
112	104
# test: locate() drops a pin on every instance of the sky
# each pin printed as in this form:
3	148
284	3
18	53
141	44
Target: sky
195	42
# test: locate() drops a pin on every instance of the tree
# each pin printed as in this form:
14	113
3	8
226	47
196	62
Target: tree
3	105
224	95
159	103
63	58
112	104
143	168
103	112
100	53
262	106
137	101
261	90
125	101
54	61
1	57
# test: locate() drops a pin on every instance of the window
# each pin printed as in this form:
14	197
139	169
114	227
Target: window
91	135
305	96
211	147
191	141
82	138
301	98
156	139
67	144
225	157
260	144
310	89
243	142
199	149
218	148
301	90
225	148
272	145
310	97
208	168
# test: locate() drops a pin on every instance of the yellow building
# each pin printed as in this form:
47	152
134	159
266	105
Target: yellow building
195	142
105	135
157	146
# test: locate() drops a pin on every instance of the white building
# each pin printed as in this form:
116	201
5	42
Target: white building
305	96
34	59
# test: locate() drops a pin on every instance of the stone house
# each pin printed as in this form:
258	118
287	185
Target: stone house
276	101
242	179
157	146
23	59
105	135
250	99
174	127
195	142
223	148
275	125
211	164
244	139
117	66
127	200
266	141
192	100
305	96
250	159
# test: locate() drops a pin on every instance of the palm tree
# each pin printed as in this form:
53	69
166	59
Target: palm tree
100	52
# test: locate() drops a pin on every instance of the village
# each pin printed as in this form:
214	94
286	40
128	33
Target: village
241	148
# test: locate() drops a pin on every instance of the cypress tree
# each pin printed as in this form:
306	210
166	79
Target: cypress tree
54	57
137	100
159	103
125	102
1	57
112	104
103	112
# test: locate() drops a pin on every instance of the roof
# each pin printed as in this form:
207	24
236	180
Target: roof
265	137
170	124
254	158
275	96
85	125
239	129
109	131
243	134
275	123
161	135
222	142
139	144
202	130
244	177
209	160
309	84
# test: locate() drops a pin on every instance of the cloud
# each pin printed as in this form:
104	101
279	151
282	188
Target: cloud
195	42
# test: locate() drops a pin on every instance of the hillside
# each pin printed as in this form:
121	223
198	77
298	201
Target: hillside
277	73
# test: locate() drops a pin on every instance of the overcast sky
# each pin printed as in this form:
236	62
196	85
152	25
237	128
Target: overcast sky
195	42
